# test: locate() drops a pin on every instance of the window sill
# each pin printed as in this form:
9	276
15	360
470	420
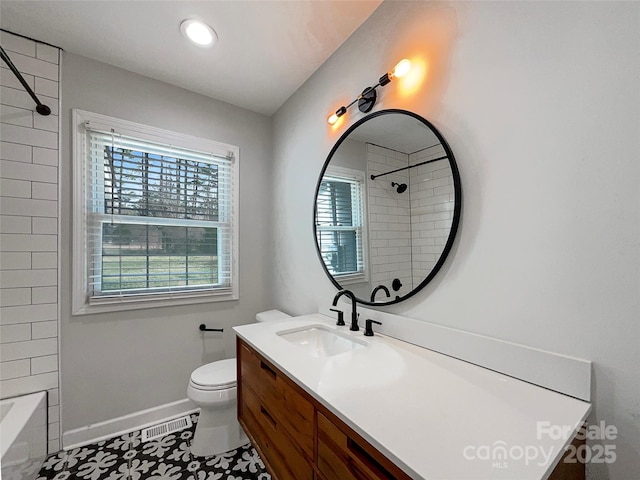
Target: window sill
115	304
350	279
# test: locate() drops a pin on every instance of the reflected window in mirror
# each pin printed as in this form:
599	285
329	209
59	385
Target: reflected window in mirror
340	223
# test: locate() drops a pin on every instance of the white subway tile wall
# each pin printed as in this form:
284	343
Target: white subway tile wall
432	202
29	227
408	231
389	219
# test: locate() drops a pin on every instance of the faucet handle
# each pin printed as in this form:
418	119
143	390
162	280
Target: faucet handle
368	329
340	313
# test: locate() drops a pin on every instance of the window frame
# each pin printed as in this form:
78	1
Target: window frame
351	175
82	303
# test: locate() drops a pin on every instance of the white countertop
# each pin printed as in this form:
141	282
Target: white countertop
435	416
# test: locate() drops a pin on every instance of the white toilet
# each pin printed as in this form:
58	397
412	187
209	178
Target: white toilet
212	387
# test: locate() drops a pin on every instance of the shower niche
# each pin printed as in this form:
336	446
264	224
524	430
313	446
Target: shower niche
387	207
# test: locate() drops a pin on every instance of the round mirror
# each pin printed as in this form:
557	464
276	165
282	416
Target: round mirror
387	207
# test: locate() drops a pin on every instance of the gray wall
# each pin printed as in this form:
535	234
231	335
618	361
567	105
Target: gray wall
118	363
540	104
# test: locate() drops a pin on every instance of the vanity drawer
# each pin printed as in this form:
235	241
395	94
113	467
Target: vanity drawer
258	375
285	403
283	453
296	415
341	458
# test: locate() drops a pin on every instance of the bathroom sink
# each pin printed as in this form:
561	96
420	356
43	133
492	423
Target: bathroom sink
321	341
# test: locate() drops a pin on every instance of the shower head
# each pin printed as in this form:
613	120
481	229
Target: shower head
402	187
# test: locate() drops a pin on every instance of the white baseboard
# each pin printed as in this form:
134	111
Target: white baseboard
125	424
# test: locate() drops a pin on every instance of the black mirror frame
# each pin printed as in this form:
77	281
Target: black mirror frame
457	208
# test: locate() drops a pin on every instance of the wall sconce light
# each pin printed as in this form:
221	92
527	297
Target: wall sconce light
368	97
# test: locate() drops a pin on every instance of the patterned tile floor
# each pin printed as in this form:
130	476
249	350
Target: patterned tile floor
165	458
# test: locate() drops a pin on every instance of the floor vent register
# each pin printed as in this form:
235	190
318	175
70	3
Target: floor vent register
166	428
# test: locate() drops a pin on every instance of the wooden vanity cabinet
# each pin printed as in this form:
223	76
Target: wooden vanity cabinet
300	439
275	416
345	455
570	470
297	437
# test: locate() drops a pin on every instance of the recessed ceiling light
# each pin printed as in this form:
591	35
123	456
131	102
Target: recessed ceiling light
198	32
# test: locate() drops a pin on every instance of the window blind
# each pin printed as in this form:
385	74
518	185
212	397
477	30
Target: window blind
339	225
158	217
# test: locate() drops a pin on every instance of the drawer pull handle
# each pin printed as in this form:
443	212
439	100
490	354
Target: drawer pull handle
268	369
366	458
268	416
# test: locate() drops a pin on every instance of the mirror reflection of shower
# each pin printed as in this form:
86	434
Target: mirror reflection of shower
401	187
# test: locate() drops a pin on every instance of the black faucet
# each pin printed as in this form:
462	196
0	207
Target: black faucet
375	290
354	314
368	330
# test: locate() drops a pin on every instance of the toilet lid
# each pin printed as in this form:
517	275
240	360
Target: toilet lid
220	374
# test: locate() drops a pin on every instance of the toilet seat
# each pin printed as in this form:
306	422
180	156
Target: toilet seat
220	375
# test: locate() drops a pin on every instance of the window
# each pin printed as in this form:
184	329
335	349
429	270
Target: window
157	216
340	224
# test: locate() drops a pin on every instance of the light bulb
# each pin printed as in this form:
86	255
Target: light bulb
401	69
334	117
199	33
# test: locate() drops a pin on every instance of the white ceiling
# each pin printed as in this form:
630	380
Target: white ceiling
399	132
266	49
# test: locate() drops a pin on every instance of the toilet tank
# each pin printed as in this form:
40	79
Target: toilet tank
271	315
